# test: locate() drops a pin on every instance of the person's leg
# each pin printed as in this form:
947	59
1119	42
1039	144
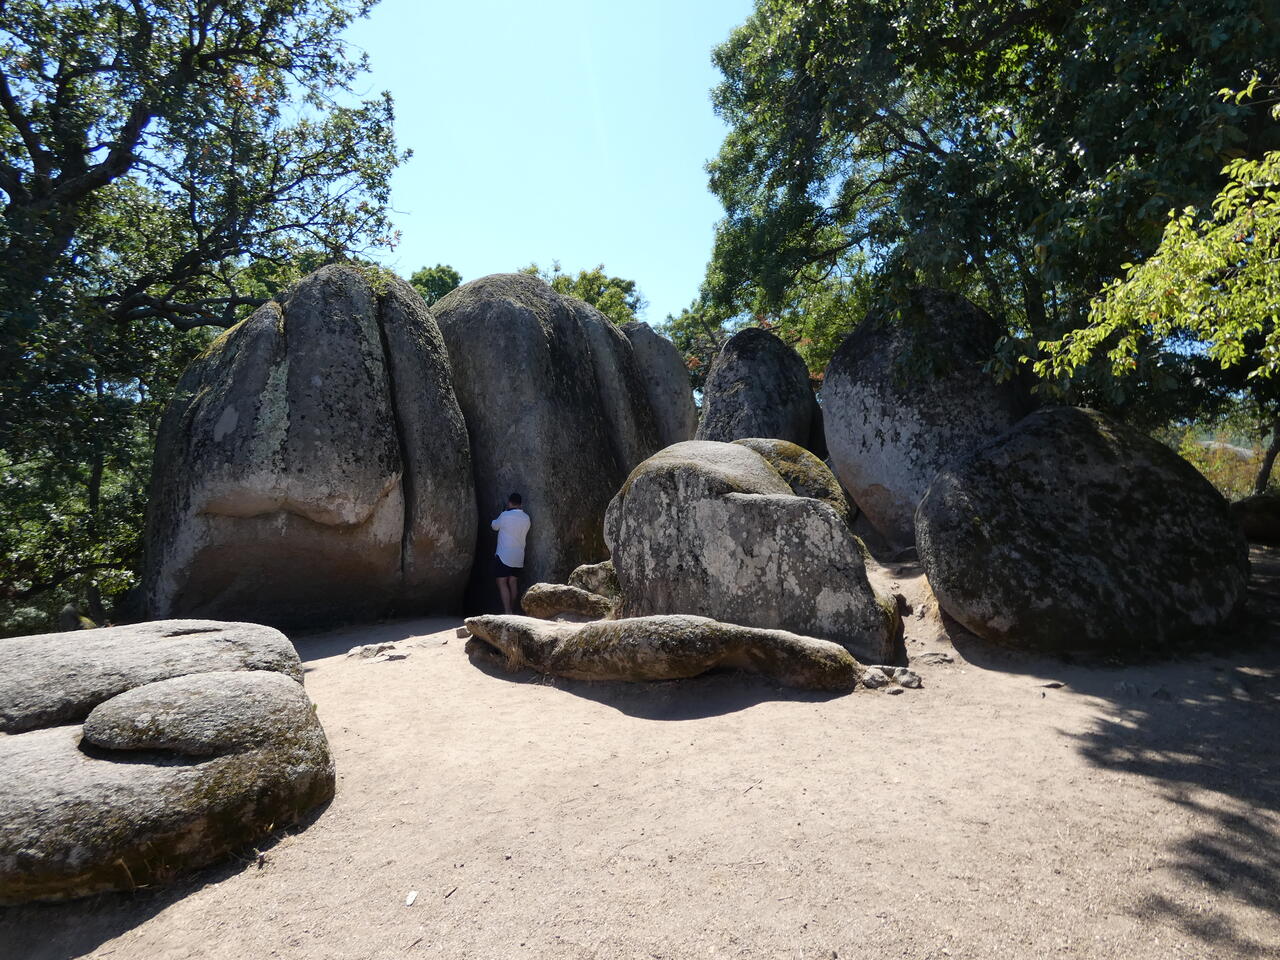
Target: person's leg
513	591
504	591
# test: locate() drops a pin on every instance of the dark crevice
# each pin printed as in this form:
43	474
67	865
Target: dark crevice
406	475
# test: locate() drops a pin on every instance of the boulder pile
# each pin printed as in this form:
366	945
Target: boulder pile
891	428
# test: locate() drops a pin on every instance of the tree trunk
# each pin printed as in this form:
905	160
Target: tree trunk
1268	459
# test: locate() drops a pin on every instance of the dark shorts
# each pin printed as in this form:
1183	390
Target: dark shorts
501	570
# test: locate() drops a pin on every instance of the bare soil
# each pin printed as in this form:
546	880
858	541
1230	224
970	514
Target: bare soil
1013	807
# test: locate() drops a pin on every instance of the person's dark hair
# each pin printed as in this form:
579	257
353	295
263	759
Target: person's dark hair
515	499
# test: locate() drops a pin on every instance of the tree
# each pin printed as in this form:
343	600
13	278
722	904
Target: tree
1016	152
434	282
1212	286
165	166
616	298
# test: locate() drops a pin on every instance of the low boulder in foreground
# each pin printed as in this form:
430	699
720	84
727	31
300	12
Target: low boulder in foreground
138	753
660	648
1073	532
551	600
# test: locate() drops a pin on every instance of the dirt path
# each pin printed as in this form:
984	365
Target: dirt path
985	816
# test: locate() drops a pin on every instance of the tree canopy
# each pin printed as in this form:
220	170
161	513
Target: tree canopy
1017	152
165	165
434	282
616	298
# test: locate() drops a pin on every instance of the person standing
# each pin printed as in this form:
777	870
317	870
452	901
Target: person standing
512	525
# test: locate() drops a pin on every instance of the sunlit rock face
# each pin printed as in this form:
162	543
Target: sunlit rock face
314	466
134	754
899	403
1073	532
714	530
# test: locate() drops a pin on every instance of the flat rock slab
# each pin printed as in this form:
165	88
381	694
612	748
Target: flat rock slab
662	648
58	678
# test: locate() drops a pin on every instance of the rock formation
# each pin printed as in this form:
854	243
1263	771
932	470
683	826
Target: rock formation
1259	518
712	529
805	474
757	387
198	739
548	601
1072	532
313	465
666	381
891	427
597	578
660	648
556	409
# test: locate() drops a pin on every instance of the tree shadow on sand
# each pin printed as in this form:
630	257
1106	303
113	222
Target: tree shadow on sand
711	694
1205	731
65	930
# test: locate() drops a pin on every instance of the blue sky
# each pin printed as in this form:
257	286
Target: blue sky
571	130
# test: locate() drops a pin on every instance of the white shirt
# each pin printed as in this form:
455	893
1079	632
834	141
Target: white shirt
512	527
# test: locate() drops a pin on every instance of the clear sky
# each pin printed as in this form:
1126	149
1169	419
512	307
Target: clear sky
574	130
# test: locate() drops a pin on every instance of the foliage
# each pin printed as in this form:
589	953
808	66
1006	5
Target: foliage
434	282
1018	153
1214	279
165	165
616	298
698	332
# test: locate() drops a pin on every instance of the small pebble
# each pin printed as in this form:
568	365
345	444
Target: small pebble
874	677
894	691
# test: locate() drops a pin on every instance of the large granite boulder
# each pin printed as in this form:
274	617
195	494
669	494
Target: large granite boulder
758	387
547	601
660	648
712	529
1259	518
666	382
313	465
891	426
805	474
556	409
1072	532
207	749
57	678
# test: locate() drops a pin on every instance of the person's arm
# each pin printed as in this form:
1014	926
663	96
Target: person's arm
494	525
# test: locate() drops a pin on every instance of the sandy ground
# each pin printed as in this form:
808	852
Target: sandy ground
1128	813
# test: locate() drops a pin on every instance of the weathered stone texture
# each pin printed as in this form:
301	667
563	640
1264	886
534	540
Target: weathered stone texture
313	465
666	381
757	387
661	648
550	600
890	426
555	408
711	529
198	739
1072	532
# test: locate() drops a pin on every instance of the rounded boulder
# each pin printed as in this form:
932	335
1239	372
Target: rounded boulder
897	409
1073	532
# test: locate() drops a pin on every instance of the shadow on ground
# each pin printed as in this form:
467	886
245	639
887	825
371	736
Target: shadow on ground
1205	731
63	931
330	643
712	694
